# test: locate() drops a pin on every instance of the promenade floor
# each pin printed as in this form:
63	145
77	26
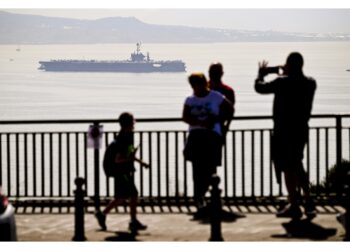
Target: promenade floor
177	225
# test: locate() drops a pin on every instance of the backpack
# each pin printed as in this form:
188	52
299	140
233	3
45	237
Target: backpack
109	165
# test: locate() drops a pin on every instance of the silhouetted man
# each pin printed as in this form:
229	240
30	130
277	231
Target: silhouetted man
294	93
215	83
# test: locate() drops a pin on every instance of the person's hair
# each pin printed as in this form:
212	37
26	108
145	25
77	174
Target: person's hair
216	68
126	119
197	79
295	61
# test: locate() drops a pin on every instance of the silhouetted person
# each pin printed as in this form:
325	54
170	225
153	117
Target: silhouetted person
216	72
125	188
294	94
204	111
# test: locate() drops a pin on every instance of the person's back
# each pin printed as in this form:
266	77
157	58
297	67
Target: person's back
293	102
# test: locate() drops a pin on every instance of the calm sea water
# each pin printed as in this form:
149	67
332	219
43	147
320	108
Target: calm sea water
27	93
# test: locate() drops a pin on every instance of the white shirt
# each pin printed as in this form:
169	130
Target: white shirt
203	107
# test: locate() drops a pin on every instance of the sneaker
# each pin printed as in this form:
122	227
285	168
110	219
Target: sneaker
290	211
101	219
310	210
136	225
341	219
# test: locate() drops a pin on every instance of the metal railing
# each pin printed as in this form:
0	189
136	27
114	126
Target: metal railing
41	159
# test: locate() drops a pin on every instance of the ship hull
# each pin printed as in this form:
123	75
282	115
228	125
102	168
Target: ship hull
112	66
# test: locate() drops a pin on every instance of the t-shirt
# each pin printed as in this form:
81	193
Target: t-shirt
125	146
203	107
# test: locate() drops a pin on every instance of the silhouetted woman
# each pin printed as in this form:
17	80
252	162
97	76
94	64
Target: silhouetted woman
204	111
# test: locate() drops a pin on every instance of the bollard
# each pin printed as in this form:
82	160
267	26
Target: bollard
215	210
79	234
347	207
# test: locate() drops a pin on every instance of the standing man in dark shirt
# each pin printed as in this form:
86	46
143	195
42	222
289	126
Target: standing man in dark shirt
294	94
215	83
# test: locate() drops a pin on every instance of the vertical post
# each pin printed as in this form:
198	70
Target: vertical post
97	172
338	124
79	193
215	210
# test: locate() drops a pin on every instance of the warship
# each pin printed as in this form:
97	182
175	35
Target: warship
138	63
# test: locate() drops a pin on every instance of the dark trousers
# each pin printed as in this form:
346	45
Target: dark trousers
202	174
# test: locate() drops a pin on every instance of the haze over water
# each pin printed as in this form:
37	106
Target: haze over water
28	93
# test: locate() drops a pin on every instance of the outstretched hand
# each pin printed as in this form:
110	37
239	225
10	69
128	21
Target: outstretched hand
143	164
262	68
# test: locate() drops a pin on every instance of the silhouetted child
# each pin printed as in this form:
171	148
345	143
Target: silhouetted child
125	188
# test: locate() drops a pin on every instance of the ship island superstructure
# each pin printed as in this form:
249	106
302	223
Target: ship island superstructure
138	63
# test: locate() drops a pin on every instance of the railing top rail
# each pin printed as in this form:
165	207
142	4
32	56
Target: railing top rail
97	121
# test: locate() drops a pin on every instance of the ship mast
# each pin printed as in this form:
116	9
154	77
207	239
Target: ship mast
138	48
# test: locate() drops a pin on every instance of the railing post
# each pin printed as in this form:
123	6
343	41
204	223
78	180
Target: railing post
79	193
215	210
97	170
338	125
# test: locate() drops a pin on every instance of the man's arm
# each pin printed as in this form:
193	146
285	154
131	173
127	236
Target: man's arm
187	117
120	158
226	115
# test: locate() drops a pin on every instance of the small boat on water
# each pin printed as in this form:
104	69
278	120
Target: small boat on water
138	63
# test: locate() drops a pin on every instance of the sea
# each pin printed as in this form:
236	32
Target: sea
27	93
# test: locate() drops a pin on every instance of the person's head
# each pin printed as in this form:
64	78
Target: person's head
294	64
216	71
198	83
126	121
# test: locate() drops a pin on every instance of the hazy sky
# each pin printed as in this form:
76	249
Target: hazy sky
299	18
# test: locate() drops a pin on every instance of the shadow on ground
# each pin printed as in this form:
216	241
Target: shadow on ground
122	236
305	229
203	215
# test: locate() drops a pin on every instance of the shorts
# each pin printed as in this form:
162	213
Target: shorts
124	186
288	150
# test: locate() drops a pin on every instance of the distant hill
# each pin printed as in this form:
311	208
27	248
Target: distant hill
35	29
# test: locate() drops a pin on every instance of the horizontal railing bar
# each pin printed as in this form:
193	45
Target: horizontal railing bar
150	131
9	122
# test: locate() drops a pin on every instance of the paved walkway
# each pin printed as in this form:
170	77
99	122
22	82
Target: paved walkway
175	226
